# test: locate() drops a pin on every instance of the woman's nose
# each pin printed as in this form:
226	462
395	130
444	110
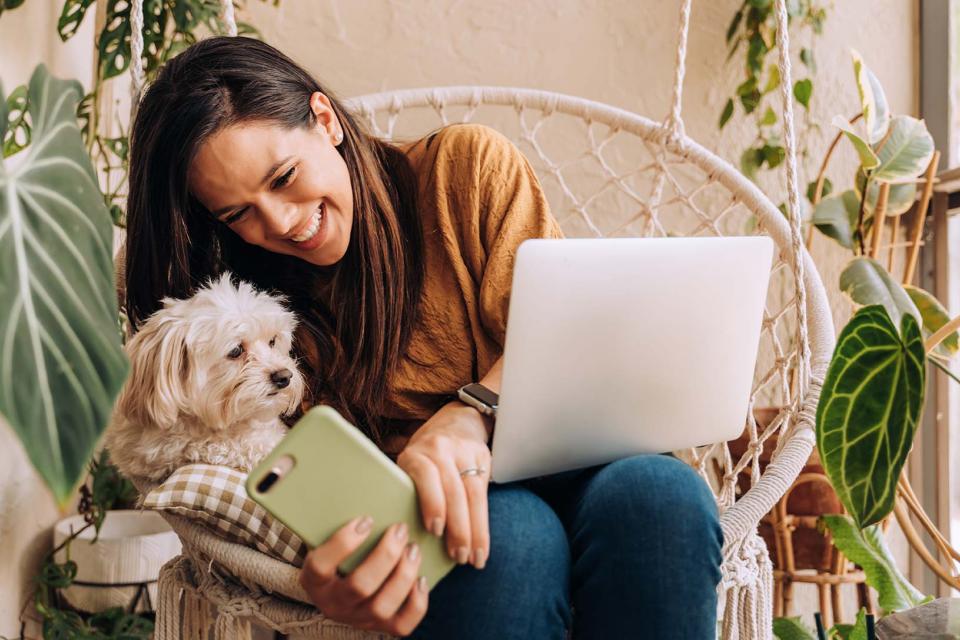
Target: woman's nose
280	218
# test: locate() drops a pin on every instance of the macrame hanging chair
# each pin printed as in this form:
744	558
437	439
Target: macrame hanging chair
668	185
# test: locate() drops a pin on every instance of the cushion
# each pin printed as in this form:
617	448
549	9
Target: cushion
215	497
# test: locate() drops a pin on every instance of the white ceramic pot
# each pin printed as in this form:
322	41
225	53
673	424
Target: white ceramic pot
132	547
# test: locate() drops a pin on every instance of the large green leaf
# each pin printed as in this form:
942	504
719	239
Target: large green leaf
61	362
906	152
934	316
868	158
876	112
857	631
868	410
791	629
868	549
836	217
867	282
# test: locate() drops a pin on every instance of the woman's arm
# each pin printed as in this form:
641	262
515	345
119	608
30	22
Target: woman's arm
455	438
473	417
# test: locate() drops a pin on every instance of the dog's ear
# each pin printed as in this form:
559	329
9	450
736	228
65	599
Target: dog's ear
155	391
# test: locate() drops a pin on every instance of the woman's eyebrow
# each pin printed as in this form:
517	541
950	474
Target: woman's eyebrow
273	169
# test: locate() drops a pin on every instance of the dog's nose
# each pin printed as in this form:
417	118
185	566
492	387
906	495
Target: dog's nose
281	378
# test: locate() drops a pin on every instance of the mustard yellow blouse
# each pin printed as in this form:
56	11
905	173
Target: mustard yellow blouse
479	199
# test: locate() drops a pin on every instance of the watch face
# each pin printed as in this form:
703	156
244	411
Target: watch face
483	394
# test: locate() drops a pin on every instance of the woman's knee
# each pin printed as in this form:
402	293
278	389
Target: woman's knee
527	540
656	493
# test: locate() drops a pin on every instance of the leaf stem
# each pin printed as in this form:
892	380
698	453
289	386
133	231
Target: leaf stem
860	214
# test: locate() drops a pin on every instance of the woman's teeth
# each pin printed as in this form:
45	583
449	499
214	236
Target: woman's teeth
313	228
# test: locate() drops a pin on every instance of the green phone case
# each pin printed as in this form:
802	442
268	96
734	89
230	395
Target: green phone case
337	475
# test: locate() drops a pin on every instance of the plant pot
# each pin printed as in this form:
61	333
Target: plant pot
122	565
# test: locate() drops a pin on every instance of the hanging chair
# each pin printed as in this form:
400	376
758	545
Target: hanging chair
606	172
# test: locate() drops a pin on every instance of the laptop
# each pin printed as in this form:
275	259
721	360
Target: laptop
622	346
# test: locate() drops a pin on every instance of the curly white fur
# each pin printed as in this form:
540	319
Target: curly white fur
208	383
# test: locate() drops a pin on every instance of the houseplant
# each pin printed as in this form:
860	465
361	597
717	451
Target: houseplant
64	330
873	393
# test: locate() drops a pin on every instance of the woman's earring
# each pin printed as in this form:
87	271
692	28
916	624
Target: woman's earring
338	138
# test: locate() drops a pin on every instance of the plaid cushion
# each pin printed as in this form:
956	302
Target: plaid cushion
215	497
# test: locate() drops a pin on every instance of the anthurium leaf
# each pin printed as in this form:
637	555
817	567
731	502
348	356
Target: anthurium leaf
868	159
61	363
868	410
836	217
906	152
868	549
867	282
876	112
934	316
791	629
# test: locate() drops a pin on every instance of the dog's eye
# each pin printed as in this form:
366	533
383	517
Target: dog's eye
273	341
236	352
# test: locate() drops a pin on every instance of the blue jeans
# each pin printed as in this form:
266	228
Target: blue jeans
633	546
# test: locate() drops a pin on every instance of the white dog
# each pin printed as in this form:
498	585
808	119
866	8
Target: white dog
211	376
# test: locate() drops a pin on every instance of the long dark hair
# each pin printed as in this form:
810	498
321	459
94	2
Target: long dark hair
175	245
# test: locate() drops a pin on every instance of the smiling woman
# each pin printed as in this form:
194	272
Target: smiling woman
299	204
255	168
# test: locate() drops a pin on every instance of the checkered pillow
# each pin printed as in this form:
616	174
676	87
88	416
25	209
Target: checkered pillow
215	497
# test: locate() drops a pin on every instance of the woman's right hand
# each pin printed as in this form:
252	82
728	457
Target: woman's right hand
382	593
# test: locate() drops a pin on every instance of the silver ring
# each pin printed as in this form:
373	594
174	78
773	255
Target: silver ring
473	471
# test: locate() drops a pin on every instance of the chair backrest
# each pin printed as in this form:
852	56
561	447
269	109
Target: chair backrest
607	172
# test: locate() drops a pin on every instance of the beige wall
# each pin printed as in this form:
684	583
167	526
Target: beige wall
618	52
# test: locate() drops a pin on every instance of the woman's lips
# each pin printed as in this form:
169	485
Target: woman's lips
316	239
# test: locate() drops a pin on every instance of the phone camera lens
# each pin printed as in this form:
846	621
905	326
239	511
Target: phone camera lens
268	481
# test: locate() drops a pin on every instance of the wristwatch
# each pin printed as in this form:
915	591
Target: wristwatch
480	398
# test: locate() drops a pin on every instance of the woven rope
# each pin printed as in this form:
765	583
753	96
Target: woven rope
793	189
136	56
674	121
137	75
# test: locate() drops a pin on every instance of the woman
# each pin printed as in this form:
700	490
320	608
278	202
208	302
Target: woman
398	261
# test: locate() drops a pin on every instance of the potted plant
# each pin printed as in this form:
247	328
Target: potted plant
873	394
64	330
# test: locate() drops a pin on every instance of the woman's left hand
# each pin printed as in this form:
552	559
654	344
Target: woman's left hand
452	440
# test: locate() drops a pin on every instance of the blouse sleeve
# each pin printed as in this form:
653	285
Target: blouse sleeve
511	207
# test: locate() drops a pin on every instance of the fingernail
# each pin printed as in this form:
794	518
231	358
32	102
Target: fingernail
436	526
413	550
401	531
463	554
422	583
479	558
365	524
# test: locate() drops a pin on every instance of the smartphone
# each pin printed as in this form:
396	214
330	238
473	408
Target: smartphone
325	473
